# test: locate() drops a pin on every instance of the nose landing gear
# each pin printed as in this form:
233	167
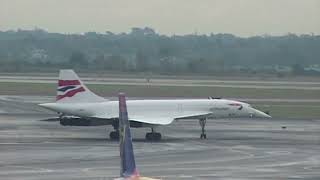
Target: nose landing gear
202	123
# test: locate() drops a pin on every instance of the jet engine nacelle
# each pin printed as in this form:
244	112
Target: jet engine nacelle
136	124
74	122
77	121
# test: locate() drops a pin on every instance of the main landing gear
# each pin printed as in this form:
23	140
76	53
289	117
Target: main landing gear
153	136
202	123
114	135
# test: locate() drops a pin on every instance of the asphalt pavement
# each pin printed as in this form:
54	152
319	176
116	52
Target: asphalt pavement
235	149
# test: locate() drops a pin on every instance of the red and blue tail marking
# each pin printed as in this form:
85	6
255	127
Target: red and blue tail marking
68	88
128	165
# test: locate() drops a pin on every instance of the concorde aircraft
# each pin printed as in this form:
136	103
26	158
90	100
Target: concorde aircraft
78	106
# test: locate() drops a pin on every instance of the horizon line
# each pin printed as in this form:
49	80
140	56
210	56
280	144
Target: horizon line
196	33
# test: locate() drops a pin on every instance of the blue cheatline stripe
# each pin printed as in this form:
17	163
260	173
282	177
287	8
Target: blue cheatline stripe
64	89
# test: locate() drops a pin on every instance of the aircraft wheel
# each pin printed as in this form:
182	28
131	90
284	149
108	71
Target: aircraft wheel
114	135
157	136
149	136
153	136
203	136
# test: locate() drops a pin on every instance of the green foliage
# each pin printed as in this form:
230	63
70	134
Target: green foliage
78	59
144	50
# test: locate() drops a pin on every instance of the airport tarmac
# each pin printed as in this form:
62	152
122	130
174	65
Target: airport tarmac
235	149
265	84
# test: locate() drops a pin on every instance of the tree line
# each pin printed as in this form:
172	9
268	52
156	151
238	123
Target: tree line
144	50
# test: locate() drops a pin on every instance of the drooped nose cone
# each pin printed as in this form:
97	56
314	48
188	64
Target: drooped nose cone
260	114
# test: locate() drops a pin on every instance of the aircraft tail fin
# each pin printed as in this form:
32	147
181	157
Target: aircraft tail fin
128	165
72	90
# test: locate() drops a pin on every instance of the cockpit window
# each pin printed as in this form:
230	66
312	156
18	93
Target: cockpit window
238	105
234	104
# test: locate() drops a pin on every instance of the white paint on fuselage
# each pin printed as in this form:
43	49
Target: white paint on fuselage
153	110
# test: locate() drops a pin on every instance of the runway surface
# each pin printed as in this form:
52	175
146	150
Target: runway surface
266	84
235	149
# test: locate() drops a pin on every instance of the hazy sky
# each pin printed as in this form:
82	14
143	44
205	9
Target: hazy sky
240	17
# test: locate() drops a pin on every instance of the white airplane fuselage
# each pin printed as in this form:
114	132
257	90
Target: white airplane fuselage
186	108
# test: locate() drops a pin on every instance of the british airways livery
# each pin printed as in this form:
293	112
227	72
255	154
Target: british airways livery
68	88
78	106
